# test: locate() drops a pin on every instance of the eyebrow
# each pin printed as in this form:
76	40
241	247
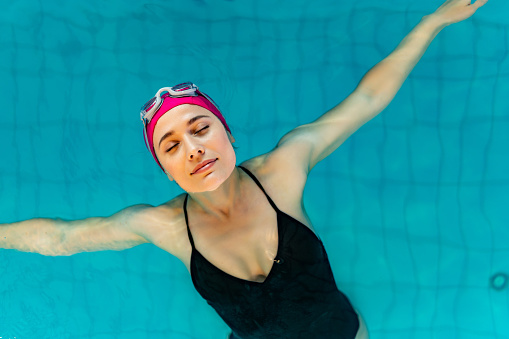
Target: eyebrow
189	123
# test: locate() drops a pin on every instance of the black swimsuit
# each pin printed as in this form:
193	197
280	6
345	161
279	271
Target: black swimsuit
298	299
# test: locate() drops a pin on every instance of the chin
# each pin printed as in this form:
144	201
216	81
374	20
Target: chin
212	187
213	181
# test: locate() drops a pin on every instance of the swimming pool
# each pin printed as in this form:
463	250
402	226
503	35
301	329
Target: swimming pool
412	208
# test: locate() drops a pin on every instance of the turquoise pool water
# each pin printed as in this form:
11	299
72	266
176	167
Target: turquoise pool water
412	209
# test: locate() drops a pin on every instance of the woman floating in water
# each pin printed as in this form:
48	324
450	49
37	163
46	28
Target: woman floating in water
242	231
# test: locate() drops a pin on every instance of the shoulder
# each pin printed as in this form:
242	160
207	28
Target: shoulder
278	167
283	180
162	225
145	215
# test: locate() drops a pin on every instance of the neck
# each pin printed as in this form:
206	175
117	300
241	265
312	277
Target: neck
221	202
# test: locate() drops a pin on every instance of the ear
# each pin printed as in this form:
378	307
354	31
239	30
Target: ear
169	176
230	136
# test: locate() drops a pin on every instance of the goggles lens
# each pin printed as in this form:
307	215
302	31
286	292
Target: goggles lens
151	103
186	86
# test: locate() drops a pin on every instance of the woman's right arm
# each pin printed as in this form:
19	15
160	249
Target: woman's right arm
54	237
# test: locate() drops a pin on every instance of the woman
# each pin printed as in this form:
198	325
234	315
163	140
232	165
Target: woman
263	270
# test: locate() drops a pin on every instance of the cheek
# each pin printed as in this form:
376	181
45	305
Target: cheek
229	161
175	168
169	164
230	154
224	147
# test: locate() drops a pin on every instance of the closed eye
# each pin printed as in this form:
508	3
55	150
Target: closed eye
172	147
200	131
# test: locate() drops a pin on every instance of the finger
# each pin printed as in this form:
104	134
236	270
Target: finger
479	3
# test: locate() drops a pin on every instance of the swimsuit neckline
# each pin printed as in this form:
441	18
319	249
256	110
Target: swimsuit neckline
279	214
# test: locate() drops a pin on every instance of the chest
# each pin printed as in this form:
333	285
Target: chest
244	246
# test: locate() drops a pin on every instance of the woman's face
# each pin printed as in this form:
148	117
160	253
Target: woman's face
188	136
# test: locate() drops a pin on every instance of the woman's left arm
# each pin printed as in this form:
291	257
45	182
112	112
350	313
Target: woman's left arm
316	140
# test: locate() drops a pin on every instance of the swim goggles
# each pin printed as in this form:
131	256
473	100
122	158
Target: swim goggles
186	89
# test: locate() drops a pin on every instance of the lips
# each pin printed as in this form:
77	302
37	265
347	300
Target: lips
203	164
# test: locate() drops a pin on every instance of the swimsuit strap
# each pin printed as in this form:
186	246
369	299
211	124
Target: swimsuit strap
187	222
261	187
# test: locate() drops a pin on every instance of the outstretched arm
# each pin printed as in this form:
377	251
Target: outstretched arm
312	142
55	237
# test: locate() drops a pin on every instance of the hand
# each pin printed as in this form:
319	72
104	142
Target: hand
453	11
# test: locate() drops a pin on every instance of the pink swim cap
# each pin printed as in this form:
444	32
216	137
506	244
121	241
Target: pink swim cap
169	103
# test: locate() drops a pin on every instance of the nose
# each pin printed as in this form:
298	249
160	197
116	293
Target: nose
195	150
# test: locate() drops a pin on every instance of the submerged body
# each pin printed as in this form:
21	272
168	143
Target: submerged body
298	298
